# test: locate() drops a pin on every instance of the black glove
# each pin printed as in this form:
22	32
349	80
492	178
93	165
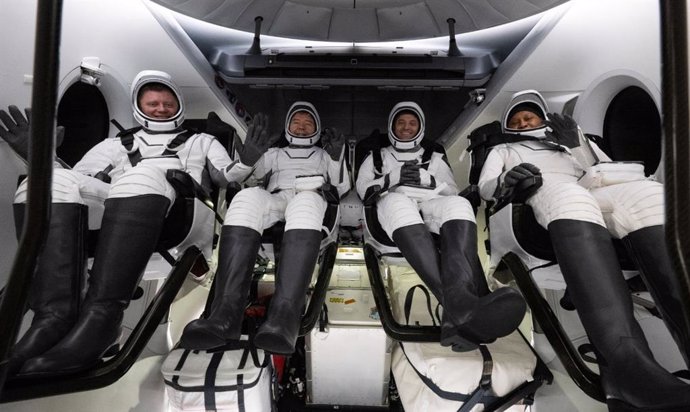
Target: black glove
256	142
332	141
519	173
564	130
17	130
409	174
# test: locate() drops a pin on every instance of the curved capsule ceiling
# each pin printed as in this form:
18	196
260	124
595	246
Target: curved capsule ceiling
359	20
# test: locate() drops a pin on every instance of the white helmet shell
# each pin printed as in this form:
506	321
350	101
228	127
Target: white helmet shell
156	125
310	140
535	102
417	139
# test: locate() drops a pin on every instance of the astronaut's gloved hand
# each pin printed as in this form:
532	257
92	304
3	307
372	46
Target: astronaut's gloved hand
564	130
256	142
521	172
409	174
17	130
333	141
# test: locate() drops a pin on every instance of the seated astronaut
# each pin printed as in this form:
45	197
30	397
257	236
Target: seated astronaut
416	194
581	221
293	176
67	335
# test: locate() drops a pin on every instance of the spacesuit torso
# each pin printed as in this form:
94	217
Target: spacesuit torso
201	156
392	159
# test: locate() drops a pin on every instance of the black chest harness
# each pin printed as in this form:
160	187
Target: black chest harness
127	140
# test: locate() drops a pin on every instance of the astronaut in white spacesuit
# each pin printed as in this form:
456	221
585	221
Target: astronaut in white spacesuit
119	187
412	176
293	176
581	218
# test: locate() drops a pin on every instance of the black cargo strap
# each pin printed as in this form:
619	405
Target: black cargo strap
209	387
408	303
210	382
479	395
323	318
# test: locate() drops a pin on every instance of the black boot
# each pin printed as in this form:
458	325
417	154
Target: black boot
129	234
647	247
470	315
631	378
299	251
57	283
479	315
239	246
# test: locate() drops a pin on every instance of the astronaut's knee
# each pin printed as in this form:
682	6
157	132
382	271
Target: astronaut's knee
305	211
396	210
65	188
456	208
565	201
248	208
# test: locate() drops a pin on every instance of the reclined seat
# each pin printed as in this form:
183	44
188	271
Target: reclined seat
186	235
415	325
519	244
263	282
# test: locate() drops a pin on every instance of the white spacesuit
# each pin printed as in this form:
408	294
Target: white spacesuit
293	176
623	208
581	218
412	176
119	187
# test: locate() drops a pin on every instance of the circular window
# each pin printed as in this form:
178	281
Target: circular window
632	129
84	114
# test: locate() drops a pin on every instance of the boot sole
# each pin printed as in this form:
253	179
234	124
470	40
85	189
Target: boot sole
273	344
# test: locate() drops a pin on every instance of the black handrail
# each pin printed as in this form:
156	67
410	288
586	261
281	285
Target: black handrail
676	126
320	288
41	153
584	378
106	373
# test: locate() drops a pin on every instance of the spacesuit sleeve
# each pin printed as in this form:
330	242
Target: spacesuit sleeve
239	172
366	177
221	167
491	175
603	157
102	156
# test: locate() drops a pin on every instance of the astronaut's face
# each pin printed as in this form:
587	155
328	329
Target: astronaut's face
158	104
302	124
525	120
406	126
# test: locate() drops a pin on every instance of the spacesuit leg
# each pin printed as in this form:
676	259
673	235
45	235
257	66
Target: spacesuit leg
55	292
635	212
300	250
477	314
134	214
239	244
399	217
631	378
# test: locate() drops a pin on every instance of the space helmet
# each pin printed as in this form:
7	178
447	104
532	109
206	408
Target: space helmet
410	107
310	140
156	125
526	100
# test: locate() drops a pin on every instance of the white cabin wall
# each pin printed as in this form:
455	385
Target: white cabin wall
127	38
590	48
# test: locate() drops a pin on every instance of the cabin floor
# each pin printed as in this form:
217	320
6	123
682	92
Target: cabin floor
142	389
